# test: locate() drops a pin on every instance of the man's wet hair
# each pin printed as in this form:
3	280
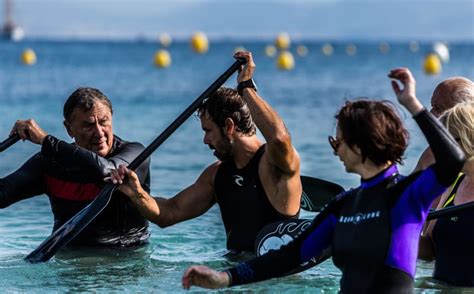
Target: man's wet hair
227	103
84	98
375	128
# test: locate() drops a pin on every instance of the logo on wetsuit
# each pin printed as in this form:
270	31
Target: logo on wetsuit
238	180
359	217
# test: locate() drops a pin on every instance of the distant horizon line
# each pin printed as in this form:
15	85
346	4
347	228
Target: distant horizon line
259	39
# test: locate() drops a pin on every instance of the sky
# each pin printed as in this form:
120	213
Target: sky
444	20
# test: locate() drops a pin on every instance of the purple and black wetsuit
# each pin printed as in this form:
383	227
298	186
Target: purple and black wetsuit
373	230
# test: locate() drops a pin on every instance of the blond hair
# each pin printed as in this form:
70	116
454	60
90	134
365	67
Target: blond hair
459	121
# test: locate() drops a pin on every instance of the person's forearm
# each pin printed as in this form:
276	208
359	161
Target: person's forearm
73	156
146	205
448	155
413	106
265	117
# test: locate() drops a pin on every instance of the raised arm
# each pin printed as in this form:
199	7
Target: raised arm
187	204
447	153
280	150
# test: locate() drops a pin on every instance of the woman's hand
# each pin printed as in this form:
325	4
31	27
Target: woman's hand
407	95
204	277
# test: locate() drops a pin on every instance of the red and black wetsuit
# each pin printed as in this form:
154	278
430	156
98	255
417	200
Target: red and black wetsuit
72	177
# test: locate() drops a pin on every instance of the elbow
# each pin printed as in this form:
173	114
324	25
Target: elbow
160	222
280	141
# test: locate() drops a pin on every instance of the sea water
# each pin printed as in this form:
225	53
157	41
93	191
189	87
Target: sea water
146	100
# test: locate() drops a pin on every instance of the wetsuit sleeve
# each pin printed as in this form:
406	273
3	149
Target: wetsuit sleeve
276	263
449	156
71	155
24	183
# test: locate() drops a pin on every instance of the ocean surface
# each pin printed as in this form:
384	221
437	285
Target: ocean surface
146	100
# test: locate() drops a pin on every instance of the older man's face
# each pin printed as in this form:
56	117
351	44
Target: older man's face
92	129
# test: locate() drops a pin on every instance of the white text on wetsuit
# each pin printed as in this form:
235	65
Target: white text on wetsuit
357	218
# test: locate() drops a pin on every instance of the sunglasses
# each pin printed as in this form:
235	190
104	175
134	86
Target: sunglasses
335	143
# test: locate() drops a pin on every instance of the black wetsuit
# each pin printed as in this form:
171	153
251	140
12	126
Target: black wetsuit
244	205
72	177
373	230
453	238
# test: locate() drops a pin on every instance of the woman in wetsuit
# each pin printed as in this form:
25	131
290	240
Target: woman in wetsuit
373	230
450	240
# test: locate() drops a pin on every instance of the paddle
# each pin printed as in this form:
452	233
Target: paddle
317	192
9	141
450	211
77	223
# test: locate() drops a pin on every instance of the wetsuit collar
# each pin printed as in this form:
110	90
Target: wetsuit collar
383	175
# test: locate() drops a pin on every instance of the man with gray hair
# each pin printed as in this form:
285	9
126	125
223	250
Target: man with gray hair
71	174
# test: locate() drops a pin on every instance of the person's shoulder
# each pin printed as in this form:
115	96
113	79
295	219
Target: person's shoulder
121	143
213	167
210	171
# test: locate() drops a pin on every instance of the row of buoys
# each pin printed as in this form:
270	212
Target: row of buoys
285	61
162	58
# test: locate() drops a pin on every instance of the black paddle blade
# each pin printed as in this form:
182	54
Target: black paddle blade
317	192
69	230
277	234
9	141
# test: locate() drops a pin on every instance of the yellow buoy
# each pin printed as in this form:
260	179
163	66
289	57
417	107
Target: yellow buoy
199	42
28	57
270	50
432	64
302	50
162	58
282	41
285	61
327	49
165	40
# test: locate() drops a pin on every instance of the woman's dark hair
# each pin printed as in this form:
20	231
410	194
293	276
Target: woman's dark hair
85	99
375	128
227	103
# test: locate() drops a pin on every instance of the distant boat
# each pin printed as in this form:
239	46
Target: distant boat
10	30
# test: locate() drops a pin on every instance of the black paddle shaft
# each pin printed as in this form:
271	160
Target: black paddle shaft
450	211
184	116
62	236
9	141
